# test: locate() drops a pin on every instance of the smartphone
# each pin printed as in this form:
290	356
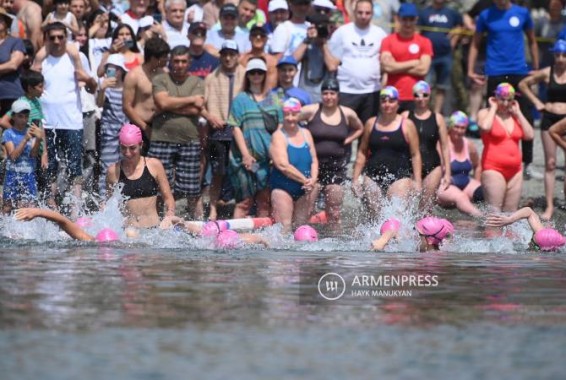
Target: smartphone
129	43
36	122
111	72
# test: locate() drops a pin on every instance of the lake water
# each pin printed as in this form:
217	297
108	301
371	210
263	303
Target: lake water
170	308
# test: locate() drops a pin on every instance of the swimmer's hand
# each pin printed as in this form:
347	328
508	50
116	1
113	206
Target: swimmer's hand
27	213
170	221
498	220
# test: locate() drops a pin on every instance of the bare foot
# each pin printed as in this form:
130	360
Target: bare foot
547	214
213	214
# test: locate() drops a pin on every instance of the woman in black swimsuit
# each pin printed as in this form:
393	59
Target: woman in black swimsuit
388	154
433	138
333	128
142	178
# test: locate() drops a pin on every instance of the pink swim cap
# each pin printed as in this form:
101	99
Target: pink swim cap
106	235
130	135
227	239
434	229
213	228
549	239
306	233
84	221
390	224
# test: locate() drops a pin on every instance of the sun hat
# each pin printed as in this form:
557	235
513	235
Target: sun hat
390	224
130	134
256	64
548	239
117	60
306	233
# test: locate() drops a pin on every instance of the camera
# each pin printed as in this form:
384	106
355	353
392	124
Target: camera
321	23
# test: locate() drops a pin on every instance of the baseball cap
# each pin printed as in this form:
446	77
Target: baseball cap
229	45
323	4
298	2
197	26
229	9
256	64
20	105
277	4
256	29
408	10
287	60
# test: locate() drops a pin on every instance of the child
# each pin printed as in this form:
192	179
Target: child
62	14
22	147
545	239
113	117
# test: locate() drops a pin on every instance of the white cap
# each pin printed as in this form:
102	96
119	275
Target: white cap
117	60
277	4
256	64
145	21
20	105
229	45
323	4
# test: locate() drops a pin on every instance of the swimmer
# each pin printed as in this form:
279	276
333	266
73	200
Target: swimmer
305	233
432	232
544	239
72	229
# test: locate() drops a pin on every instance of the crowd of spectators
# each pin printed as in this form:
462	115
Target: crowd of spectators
217	87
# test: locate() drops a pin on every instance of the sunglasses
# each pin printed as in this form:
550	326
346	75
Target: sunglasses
256	72
56	37
422	95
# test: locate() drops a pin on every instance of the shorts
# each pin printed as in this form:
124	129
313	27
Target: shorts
182	165
549	119
218	151
20	187
439	74
65	145
332	173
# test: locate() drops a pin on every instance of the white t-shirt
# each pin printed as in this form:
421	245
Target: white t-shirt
61	101
174	37
197	12
358	50
216	38
88	101
133	22
287	37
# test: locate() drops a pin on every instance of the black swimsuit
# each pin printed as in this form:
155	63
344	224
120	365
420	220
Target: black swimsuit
143	187
428	138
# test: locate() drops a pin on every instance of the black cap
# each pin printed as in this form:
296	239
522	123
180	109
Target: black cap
256	29
330	84
229	9
197	26
298	2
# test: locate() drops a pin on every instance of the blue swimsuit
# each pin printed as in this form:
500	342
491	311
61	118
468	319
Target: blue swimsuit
461	169
300	157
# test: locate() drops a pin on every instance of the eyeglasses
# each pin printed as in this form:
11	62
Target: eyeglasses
388	100
56	37
256	72
422	95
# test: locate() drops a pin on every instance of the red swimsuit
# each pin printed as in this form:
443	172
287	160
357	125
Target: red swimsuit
501	150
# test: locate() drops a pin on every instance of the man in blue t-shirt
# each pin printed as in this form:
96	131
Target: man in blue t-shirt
437	21
202	62
505	25
286	71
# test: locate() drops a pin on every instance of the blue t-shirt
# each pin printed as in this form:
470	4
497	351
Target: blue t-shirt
203	64
10	86
293	92
25	163
505	39
445	18
562	34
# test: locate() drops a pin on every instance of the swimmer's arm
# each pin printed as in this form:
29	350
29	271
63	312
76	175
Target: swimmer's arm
475	158
486	116
314	164
361	156
558	130
380	243
64	223
354	123
497	220
536	77
444	148
308	112
278	153
111	180
254	239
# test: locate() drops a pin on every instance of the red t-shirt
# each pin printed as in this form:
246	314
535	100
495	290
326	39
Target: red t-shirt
405	49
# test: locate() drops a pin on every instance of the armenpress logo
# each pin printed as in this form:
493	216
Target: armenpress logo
331	286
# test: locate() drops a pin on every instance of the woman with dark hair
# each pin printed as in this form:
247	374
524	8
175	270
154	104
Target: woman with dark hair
333	128
255	115
99	37
11	57
124	43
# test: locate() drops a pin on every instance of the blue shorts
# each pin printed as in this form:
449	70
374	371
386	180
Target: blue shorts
65	145
440	71
20	187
